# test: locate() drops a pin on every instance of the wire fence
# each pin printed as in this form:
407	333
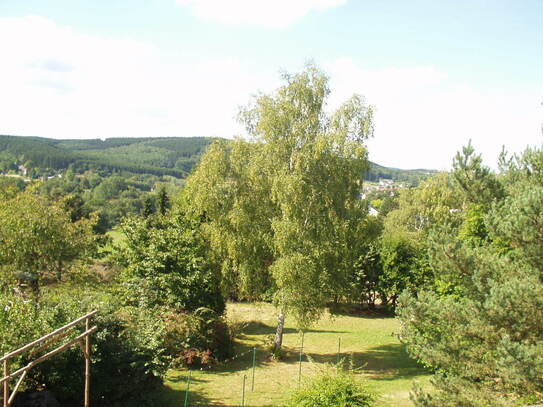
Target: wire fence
247	380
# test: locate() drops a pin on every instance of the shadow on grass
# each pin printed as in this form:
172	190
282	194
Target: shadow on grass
174	395
167	396
385	362
260	328
390	362
360	310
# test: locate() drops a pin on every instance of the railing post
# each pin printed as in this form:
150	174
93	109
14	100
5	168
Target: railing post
87	364
301	354
254	365
6	385
338	354
187	390
243	391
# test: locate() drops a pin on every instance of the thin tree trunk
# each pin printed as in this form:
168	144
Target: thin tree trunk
278	342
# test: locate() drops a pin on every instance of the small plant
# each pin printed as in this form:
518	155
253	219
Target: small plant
332	390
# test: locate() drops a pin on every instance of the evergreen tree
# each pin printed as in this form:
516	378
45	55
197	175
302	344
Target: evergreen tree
163	201
483	331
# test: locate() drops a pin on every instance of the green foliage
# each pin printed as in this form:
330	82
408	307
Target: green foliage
331	390
412	178
476	181
197	338
163	201
165	265
404	266
282	209
473	229
480	330
128	350
157	156
435	201
367	275
38	236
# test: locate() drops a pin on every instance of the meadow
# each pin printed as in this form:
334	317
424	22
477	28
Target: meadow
369	342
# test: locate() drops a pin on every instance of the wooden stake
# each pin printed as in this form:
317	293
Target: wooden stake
243	391
187	390
16	388
6	384
301	354
49	355
87	364
42	344
254	365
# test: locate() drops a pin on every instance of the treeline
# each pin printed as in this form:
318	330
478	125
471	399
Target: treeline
377	172
173	156
156	156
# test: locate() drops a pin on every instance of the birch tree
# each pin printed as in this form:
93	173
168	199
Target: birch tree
281	207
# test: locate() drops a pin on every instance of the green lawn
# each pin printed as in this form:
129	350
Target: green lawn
368	340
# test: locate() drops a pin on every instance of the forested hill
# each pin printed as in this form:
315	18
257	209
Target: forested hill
157	156
173	156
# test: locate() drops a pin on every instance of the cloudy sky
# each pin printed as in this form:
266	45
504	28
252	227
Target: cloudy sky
438	72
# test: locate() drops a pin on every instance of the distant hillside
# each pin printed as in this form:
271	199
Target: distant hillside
156	156
175	156
411	177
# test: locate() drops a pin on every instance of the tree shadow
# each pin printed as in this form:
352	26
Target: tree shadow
175	397
167	396
360	310
260	328
385	362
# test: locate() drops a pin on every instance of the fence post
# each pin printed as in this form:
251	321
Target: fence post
187	391
243	391
87	364
301	353
338	353
6	385
254	365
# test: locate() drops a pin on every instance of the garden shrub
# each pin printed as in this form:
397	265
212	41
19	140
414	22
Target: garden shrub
197	338
166	265
332	390
128	352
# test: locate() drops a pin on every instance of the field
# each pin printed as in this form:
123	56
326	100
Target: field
368	340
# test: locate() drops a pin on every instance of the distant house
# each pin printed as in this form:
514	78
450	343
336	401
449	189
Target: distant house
386	182
23	170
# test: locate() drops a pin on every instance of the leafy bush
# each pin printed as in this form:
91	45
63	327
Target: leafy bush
329	390
196	338
128	352
166	265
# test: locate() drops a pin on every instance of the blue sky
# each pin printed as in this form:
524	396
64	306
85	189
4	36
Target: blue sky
438	72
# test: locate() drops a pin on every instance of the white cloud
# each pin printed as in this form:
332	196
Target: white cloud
423	116
268	13
55	82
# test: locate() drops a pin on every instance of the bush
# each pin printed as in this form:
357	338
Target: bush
330	390
166	265
197	338
128	352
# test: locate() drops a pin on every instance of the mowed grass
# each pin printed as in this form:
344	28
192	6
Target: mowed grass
369	341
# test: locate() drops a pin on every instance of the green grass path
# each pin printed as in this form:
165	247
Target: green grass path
369	341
